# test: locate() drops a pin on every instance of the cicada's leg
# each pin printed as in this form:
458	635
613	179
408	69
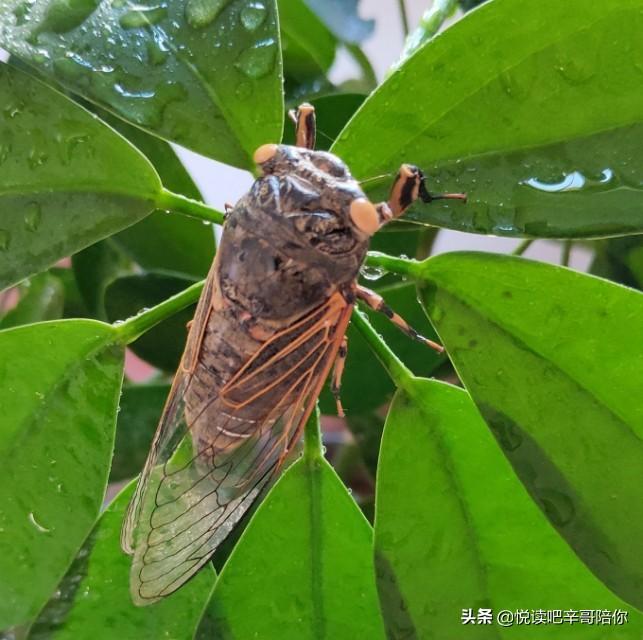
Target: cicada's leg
409	185
376	302
305	130
338	370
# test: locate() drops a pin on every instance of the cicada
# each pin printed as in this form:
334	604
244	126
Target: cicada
269	326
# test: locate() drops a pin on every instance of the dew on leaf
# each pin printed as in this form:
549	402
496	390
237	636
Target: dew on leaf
253	15
200	13
64	15
33	216
257	61
5	239
140	15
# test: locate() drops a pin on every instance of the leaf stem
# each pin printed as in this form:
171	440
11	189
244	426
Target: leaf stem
566	253
170	201
430	24
313	449
396	369
522	247
133	328
402	266
403	17
368	73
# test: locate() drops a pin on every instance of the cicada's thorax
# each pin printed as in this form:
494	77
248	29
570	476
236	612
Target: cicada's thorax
289	243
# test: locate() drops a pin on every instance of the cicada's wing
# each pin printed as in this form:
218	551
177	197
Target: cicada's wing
201	477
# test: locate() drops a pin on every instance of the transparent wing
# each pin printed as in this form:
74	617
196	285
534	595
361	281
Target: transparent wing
207	464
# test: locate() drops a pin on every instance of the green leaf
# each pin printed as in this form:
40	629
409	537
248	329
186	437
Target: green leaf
361	395
93	600
161	346
67	180
203	73
139	415
58	400
553	359
537	119
41	298
94	268
332	112
342	19
308	547
308	46
161	241
454	529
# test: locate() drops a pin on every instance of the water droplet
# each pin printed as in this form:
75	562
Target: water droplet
157	48
140	15
558	506
200	13
372	273
33	216
13	109
36	524
72	67
37	157
243	90
574	181
127	93
5	239
253	15
258	60
21	12
65	15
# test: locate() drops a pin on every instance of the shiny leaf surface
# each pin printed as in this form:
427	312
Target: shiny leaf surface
183	70
66	180
553	358
478	539
59	396
537	117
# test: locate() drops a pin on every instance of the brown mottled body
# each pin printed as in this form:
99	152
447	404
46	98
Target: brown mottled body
287	246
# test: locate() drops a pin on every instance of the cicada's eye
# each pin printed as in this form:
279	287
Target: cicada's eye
364	216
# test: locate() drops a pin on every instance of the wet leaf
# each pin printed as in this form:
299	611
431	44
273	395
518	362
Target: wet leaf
41	298
140	411
536	117
66	180
343	19
93	599
318	569
161	346
203	73
455	529
59	395
94	268
553	358
161	241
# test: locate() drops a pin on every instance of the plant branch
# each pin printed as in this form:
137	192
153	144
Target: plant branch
403	17
430	24
170	201
566	253
396	369
522	247
401	266
313	449
133	328
368	73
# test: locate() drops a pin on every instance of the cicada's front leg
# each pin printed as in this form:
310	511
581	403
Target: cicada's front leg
377	303
409	185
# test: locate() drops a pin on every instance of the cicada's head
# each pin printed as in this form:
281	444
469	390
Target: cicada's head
321	198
